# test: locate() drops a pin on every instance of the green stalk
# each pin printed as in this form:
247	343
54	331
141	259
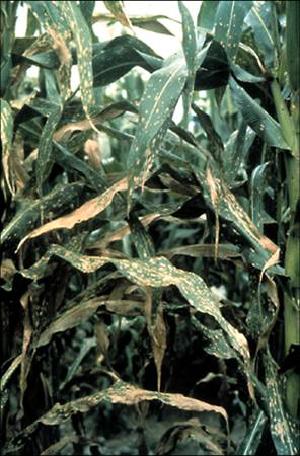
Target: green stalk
290	131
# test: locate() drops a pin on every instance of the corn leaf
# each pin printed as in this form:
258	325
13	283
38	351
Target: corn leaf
254	434
257	117
284	432
229	21
152	272
206	16
6	139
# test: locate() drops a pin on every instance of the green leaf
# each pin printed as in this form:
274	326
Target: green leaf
235	152
141	238
257	117
259	19
116	58
214	71
156	108
206	16
44	161
284	431
189	40
254	434
292	43
152	272
229	21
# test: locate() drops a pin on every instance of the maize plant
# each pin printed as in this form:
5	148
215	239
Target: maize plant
150	260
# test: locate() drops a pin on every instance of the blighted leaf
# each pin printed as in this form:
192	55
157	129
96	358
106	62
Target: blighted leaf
258	189
141	237
156	108
229	24
207	250
254	434
54	449
117	8
102	340
189	429
82	37
153	272
111	111
283	430
6	139
216	343
59	199
120	233
81	312
25	357
230	209
83	213
257	117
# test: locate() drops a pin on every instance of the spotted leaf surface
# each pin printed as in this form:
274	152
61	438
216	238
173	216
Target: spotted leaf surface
229	24
82	37
153	272
6	140
284	431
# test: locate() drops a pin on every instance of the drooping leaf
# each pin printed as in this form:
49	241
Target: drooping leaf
259	19
117	8
85	212
257	117
229	24
117	57
152	272
119	393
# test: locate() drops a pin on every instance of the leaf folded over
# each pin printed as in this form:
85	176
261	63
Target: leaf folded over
153	272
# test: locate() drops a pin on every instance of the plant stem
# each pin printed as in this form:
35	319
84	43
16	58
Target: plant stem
290	131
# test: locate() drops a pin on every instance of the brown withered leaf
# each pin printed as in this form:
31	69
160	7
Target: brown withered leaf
158	333
84	310
25	357
93	153
119	393
120	233
215	201
102	340
83	213
111	111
